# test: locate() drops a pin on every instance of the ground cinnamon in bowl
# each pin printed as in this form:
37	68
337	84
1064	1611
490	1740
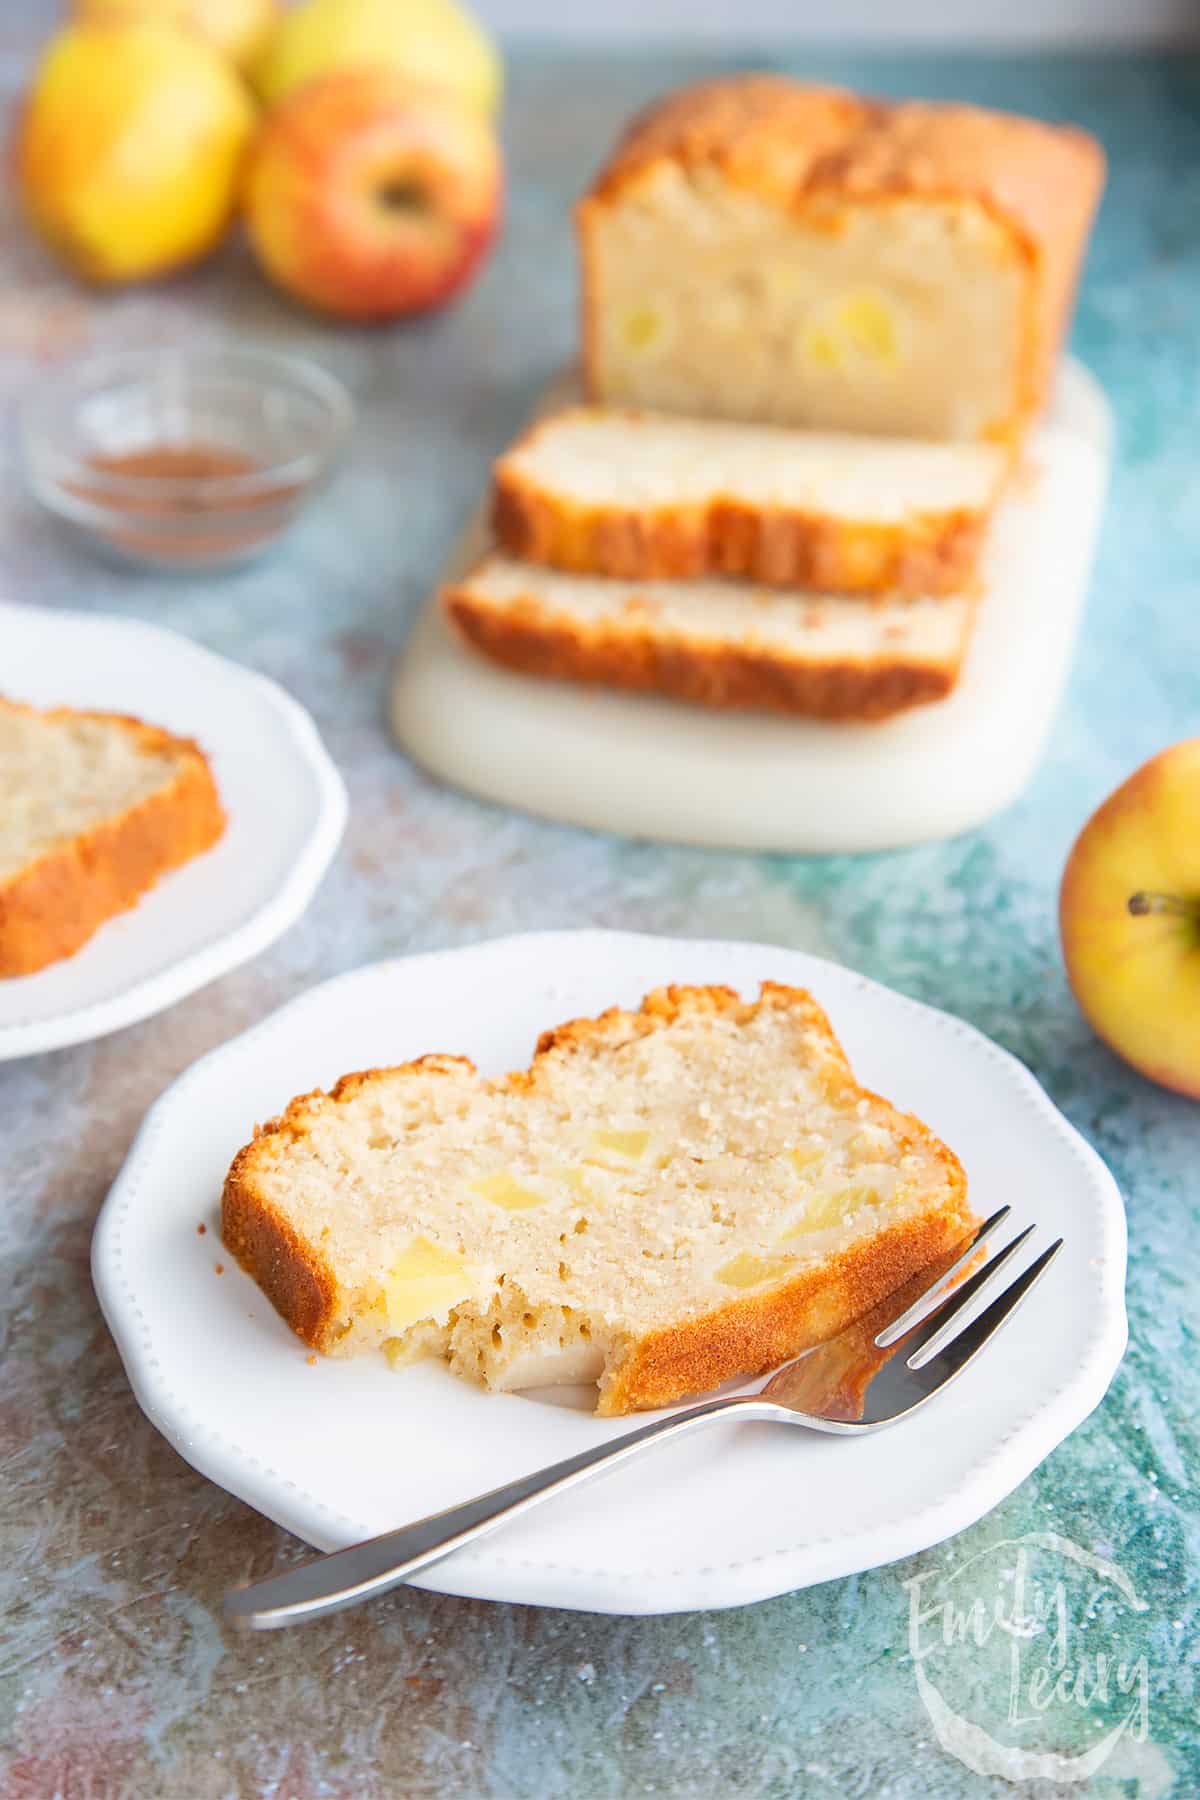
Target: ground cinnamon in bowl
183	459
179	503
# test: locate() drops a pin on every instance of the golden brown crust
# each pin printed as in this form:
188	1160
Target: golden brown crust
678	1000
50	909
751	1335
293	1275
635	650
757	1332
663	1006
817	149
780	546
291	1271
745	1337
762	131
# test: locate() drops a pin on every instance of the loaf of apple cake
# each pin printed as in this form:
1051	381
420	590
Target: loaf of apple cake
759	249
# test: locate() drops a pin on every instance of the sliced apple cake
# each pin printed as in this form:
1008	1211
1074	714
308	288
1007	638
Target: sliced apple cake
664	1199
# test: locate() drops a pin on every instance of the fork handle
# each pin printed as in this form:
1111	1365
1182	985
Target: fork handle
343	1577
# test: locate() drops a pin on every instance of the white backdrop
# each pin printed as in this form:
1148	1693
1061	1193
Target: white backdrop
926	22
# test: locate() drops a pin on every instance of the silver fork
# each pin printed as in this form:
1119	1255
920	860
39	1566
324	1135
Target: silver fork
856	1382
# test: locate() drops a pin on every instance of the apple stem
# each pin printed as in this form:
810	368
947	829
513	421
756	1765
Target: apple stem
404	196
1144	902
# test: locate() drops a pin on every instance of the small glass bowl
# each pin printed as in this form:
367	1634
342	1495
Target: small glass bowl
263	431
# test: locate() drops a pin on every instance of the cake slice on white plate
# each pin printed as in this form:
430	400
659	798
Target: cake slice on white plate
664	1199
96	808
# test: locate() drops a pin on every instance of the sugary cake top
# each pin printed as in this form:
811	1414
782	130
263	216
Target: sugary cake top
797	143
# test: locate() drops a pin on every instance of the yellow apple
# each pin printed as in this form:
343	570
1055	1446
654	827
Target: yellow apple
1130	918
130	147
240	29
369	197
435	41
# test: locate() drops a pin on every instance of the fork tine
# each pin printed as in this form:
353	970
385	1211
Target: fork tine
914	1313
939	1368
938	1327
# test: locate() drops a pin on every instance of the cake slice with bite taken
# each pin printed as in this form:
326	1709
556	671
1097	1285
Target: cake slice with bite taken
665	1199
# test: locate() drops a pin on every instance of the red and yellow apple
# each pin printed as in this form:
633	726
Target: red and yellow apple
239	29
129	148
368	196
433	41
1129	912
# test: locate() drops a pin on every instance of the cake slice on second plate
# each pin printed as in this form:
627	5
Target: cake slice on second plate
96	808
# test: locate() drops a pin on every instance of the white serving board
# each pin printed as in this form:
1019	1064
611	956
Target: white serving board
654	768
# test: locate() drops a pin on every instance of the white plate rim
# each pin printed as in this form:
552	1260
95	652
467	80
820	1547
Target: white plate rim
486	1572
154	993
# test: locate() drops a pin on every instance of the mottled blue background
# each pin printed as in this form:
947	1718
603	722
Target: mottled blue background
117	1679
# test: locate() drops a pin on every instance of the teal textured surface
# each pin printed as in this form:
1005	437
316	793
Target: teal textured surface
117	1679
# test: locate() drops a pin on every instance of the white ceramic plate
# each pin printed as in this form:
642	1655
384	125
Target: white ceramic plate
284	799
338	1451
